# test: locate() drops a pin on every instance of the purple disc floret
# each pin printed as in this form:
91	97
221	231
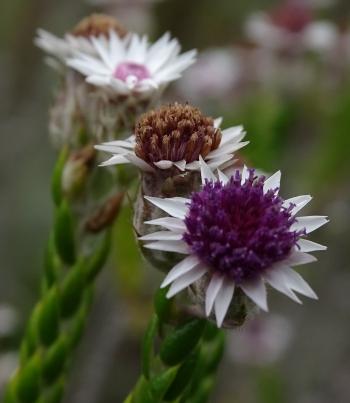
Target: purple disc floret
238	230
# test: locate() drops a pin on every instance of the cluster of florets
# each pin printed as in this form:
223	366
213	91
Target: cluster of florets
238	230
175	132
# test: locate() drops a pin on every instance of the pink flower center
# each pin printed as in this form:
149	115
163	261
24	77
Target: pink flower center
292	16
130	70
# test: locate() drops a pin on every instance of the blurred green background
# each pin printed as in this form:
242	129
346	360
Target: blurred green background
297	120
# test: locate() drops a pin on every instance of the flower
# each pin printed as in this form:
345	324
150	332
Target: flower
237	233
291	25
78	40
176	135
132	67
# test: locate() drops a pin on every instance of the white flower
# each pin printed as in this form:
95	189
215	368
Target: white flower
238	233
132	67
78	40
62	48
291	27
182	147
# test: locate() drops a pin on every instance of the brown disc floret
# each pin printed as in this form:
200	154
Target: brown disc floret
175	132
98	24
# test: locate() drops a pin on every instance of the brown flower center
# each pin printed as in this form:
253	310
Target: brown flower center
175	132
98	24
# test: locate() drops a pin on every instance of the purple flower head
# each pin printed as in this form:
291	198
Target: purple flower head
237	230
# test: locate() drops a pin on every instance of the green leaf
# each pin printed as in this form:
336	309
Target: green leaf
55	360
30	340
154	390
183	377
179	343
10	392
160	384
27	381
72	289
79	320
64	233
211	353
48	318
54	394
56	181
96	261
51	263
162	304
147	346
201	391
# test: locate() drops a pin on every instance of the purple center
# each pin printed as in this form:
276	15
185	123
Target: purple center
135	71
237	230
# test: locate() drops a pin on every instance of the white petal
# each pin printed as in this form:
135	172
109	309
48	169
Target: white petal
273	182
309	223
298	284
175	208
299	201
140	163
256	291
231	134
193	166
217	122
173	70
115	160
116	47
99	46
277	280
161	236
137	49
308	246
181	165
182	200
297	258
220	161
226	149
222	177
245	174
223	300
206	172
212	292
98	80
160	52
171	223
119	86
128	143
111	149
189	263
168	246
185	280
163	164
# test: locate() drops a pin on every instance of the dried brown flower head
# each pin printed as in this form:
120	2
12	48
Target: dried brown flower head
175	132
98	24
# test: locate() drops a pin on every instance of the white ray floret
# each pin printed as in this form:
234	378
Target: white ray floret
123	153
220	289
156	64
62	48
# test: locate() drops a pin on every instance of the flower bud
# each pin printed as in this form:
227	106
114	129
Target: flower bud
76	170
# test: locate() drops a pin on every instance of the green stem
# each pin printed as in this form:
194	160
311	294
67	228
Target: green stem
59	317
183	367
